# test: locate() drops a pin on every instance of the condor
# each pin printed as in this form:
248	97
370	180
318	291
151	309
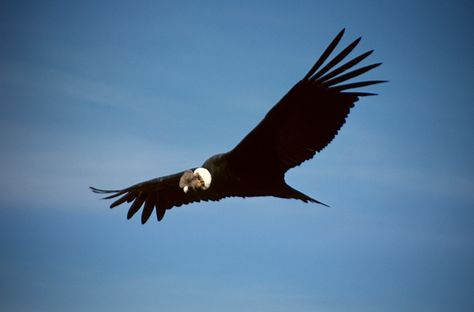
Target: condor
301	124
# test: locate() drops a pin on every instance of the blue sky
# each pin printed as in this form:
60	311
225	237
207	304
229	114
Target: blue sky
112	93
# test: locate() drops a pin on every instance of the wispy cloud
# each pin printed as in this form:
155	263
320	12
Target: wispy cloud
56	167
34	78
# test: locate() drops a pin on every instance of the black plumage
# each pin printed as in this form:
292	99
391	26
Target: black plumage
301	124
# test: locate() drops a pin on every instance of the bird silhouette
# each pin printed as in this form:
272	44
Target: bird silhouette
300	125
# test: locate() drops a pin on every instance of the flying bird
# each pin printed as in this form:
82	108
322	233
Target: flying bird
301	124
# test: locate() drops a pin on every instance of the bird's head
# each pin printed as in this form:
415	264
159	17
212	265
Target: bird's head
200	179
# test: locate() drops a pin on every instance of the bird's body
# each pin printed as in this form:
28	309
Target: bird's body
301	124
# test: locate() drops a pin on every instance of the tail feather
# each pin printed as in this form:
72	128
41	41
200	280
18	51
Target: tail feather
292	193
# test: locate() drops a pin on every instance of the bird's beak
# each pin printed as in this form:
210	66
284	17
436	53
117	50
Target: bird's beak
185	180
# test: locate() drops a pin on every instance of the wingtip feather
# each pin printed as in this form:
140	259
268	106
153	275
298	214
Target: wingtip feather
160	213
338	58
330	48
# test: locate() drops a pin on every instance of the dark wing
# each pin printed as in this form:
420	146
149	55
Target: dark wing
160	194
308	117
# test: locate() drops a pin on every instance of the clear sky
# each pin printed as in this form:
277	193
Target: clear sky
112	93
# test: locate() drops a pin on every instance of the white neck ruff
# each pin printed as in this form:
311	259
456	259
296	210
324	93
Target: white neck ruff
205	175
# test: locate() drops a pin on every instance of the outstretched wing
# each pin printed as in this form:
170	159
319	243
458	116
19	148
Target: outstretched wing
309	116
160	194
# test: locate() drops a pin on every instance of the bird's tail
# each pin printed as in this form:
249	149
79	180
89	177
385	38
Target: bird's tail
290	192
